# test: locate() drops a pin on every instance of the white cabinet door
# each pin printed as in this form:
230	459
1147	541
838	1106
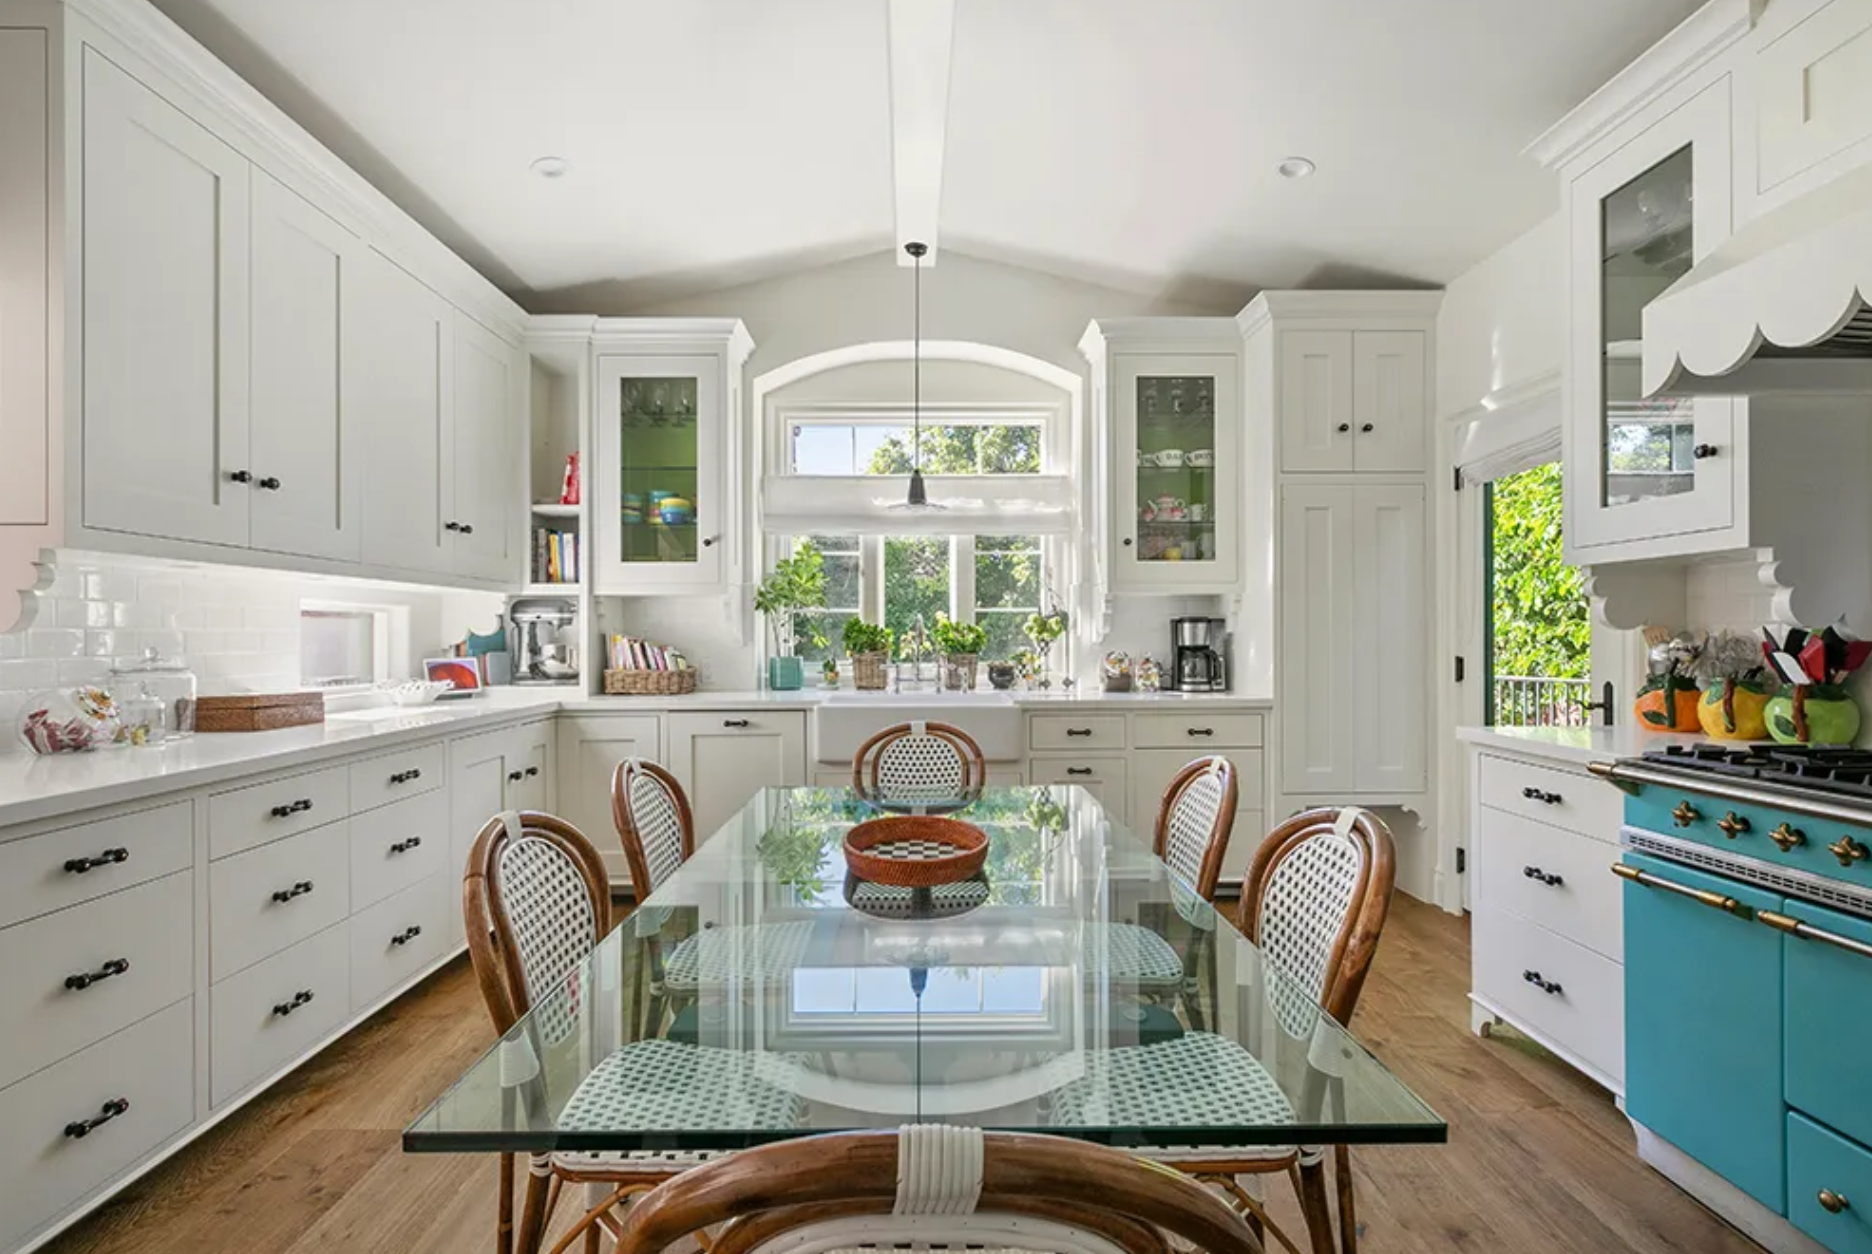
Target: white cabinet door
478	767
25	200
165	318
486	453
530	754
306	443
404	403
1104	778
660	482
723	758
1316	387
589	748
1389	407
1319	631
1387	710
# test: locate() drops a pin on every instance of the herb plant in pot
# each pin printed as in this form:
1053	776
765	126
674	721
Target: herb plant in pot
796	583
1735	688
960	645
869	645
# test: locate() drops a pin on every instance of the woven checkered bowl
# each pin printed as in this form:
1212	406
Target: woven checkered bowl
915	850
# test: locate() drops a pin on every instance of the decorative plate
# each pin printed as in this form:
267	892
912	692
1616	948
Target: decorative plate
915	850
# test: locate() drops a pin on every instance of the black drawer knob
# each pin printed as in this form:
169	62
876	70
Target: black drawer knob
269	483
79	1129
85	979
514	777
531	771
467	529
1078	770
300	998
1703	452
1549	987
1366	427
240	476
1344	427
1543	877
407	935
406	844
299	889
451	526
110	857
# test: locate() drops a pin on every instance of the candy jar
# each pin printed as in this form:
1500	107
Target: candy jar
166	679
69	720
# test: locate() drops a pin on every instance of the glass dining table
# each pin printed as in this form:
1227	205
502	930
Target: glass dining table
1074	987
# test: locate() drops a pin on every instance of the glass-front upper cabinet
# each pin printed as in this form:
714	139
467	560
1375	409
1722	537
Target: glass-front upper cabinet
1177	471
658	506
1642	470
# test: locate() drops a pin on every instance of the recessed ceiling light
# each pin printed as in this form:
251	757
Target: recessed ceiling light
1296	168
551	167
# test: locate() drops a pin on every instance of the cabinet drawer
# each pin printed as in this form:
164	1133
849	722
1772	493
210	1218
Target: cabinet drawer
43	1017
1585	1016
1558	879
1078	733
247	817
1198	731
43	1172
394	776
1104	778
397	937
62	868
273	1013
397	845
1577	802
1819	1158
1829	1002
269	898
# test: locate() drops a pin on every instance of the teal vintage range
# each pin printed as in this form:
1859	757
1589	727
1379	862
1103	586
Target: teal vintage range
1748	983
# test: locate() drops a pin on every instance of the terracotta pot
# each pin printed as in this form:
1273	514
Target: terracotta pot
1669	707
1734	711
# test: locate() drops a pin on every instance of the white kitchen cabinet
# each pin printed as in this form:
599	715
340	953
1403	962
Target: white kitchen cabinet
590	746
485	499
165	310
306	443
25	262
532	756
1354	625
408	363
1353	400
1103	777
1813	89
479	767
723	757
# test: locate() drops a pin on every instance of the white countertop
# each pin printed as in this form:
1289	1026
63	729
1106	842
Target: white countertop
33	788
1576	745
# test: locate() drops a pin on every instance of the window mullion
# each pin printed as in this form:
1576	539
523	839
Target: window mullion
871	578
962	578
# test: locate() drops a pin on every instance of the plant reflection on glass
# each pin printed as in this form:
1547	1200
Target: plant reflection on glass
795	845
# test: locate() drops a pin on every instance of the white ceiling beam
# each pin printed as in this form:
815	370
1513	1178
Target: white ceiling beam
922	32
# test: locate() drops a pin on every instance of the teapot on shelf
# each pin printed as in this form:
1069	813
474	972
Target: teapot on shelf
1165	508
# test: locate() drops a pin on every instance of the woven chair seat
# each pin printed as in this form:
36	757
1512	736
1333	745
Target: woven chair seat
718	954
607	1166
1135	954
1198	1078
659	1085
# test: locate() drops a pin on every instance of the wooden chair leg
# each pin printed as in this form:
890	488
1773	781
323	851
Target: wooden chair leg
1348	1215
504	1222
1310	1183
533	1213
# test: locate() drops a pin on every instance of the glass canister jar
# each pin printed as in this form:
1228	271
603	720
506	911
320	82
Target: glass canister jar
142	716
169	680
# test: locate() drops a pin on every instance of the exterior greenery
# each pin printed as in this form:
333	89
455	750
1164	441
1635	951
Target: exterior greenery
1539	614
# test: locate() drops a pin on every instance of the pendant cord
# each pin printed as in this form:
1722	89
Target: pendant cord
916	386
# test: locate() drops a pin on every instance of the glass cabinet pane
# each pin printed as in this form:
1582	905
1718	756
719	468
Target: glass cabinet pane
1646	245
1176	470
657	465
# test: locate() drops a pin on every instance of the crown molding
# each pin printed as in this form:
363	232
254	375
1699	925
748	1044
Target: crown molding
1378	305
1697	40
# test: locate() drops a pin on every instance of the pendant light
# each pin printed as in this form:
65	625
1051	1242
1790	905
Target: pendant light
918	500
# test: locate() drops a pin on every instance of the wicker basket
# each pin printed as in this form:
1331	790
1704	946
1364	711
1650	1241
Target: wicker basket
959	670
915	850
868	671
651	683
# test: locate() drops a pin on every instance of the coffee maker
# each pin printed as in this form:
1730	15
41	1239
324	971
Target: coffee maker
542	635
1196	655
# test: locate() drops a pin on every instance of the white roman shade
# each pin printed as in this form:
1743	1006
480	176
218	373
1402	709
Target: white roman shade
1515	430
869	505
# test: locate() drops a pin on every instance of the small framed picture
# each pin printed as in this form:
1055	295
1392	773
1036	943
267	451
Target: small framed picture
463	673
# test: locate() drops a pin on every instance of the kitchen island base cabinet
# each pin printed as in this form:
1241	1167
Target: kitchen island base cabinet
722	758
590	748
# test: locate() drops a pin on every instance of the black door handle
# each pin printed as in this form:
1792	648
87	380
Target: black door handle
1078	731
406	844
466	529
451	526
85	979
708	542
407	935
240	476
299	889
404	777
1344	427
78	866
734	722
1550	987
1545	798
1201	731
1703	451
1078	770
79	1129
531	771
269	483
300	998
1546	877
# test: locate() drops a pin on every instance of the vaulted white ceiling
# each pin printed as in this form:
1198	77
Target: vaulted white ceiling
714	142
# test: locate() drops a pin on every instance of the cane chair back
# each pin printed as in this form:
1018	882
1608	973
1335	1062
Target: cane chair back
919	761
1194	821
653	820
935	1188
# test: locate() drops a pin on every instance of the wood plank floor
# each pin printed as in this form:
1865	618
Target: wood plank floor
1538	1158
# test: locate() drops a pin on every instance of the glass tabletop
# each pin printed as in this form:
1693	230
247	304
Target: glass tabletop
1074	987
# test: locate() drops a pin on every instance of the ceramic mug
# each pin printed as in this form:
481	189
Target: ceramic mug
1200	458
1198	512
1171	457
1147	459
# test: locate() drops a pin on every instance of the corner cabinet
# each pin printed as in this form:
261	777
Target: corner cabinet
667	502
1170	394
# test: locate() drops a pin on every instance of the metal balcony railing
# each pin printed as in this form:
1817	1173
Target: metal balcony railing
1533	701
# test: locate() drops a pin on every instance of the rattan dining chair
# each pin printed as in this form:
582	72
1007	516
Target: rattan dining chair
535	901
1314	903
919	762
926	1188
654	821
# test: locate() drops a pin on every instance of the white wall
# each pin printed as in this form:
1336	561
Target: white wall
1503	322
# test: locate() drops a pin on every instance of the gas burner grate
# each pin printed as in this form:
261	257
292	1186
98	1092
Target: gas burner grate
1805	885
1834	769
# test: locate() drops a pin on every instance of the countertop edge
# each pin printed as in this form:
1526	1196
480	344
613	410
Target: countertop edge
1577	746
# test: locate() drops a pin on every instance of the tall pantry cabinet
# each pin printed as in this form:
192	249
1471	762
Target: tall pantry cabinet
1341	381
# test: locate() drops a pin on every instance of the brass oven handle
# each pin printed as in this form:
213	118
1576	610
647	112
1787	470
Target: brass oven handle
1702	896
1807	931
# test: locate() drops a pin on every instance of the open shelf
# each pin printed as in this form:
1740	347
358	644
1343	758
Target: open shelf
551	589
552	509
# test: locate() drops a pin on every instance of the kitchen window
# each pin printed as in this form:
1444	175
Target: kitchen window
343	647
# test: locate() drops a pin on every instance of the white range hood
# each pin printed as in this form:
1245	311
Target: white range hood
1782	306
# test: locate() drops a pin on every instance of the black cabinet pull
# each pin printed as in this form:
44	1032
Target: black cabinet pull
1546	877
1078	770
270	483
1366	428
734	722
299	889
708	542
110	857
1549	987
1703	451
1545	798
531	771
451	526
404	777
1201	731
79	1129
1344	427
514	777
300	998
1078	731
467	529
287	811
406	844
1127	542
240	476
407	935
85	979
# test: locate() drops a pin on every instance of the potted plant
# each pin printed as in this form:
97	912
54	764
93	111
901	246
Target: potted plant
1668	700
869	645
1001	675
796	583
1816	709
960	645
1735	688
